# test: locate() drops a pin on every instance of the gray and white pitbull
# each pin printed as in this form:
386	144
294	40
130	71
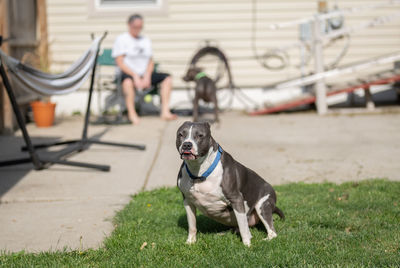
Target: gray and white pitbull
220	187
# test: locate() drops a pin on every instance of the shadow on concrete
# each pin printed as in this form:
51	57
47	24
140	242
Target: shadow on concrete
11	149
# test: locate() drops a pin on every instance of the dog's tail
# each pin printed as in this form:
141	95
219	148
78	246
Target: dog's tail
212	50
279	212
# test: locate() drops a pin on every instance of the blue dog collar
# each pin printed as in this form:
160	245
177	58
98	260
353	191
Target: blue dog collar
207	173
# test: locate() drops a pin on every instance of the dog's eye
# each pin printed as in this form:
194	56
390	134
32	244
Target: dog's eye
200	135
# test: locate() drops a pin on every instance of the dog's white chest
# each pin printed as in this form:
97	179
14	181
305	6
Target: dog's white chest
207	196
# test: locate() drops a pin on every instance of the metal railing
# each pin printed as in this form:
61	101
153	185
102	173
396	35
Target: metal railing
319	37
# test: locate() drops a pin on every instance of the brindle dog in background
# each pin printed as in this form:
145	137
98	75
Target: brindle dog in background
205	90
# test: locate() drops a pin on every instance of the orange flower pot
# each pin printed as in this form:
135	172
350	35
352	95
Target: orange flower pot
43	113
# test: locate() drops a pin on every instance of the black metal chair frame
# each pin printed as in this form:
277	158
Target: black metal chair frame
117	83
74	146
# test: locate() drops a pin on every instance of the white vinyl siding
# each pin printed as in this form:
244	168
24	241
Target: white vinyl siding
178	32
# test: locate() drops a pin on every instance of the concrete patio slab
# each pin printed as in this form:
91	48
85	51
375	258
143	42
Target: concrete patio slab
299	147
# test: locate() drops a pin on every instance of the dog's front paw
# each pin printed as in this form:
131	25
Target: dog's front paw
247	243
191	240
271	235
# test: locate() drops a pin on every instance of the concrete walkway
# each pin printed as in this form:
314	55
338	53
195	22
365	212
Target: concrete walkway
73	207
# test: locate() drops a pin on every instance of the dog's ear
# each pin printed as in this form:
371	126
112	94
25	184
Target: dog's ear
184	124
213	142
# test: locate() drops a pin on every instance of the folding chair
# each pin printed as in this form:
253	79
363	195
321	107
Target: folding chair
143	99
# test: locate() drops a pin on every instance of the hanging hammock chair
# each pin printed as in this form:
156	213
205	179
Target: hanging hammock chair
31	79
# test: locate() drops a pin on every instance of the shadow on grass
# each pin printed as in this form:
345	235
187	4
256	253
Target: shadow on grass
204	225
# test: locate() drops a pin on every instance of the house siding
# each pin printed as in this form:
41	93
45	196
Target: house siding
178	32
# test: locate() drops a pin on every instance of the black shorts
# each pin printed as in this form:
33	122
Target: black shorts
156	78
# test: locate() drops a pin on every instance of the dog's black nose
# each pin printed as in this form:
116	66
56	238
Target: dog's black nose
187	146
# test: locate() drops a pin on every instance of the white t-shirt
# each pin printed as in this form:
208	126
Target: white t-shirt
137	52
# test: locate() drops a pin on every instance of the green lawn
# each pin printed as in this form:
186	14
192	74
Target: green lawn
353	224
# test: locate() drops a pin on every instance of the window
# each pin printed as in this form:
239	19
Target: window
126	3
126	7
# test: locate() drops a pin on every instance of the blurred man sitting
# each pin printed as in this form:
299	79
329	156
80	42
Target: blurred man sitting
133	55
